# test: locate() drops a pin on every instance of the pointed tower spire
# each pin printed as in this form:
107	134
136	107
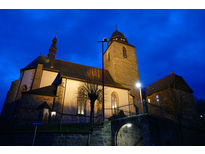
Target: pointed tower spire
52	52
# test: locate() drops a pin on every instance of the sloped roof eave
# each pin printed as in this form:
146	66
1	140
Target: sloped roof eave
83	80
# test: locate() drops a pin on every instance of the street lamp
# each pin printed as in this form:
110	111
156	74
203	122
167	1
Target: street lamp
138	85
103	104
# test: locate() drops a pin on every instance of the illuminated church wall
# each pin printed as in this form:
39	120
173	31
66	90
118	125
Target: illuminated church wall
71	95
47	78
122	95
27	78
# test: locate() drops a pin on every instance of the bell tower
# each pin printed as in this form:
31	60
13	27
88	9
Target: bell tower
120	60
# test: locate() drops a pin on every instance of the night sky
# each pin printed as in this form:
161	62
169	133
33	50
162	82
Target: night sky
165	40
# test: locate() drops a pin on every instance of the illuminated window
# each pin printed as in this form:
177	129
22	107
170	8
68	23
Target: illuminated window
114	101
53	113
157	98
124	52
81	101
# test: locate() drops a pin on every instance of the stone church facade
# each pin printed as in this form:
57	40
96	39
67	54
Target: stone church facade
172	96
48	88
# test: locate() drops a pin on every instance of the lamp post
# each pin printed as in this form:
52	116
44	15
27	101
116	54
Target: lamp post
138	85
145	108
103	105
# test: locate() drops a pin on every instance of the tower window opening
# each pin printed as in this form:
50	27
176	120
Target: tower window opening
124	52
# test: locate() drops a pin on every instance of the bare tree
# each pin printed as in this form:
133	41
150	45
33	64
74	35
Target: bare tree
92	89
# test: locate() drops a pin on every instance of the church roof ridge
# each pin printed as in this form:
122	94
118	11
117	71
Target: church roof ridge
78	64
170	81
70	69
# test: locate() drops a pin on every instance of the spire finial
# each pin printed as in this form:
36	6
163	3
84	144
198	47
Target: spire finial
52	51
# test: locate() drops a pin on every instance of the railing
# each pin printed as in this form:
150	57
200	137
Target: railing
124	110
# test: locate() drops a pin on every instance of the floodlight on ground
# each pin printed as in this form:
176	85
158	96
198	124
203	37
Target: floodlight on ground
129	125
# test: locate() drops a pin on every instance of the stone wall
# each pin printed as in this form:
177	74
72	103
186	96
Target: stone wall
101	136
9	104
123	70
174	101
43	139
27	109
156	131
141	126
147	130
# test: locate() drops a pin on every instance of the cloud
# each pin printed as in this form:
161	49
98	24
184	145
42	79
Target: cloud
165	40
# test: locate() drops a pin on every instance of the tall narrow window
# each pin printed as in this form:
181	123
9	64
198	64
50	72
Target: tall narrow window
157	99
108	56
81	101
114	101
124	52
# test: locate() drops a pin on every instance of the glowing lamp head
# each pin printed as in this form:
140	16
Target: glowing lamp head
138	85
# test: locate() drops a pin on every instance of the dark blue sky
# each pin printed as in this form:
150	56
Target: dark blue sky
166	41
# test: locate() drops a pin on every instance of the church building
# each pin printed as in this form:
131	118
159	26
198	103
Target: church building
49	89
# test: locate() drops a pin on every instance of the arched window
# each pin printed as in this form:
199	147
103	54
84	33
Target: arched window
81	101
124	52
114	103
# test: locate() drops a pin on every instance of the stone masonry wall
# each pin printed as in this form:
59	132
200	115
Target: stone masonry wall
43	139
101	136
